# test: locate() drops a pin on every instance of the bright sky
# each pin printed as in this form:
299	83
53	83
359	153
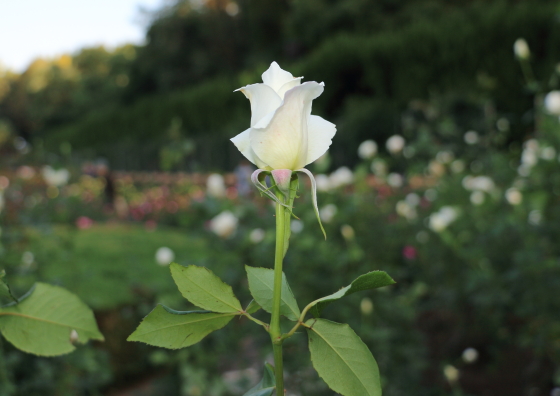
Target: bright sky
46	28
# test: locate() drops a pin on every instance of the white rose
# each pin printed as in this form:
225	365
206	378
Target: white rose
341	177
215	186
283	133
224	224
367	149
552	102
55	178
164	256
284	136
395	144
521	49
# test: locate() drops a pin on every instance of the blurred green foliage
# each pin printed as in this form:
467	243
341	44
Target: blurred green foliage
375	57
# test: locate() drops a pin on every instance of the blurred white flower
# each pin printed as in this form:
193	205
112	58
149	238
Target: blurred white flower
436	168
431	194
164	256
521	49
296	226
548	153
347	232
478	183
54	177
366	306
535	217
27	259
224	224
477	197
395	144
451	373
341	177
458	166
529	158
413	199
470	355
74	337
422	237
404	209
328	212
471	137
367	149
524	170
552	102
441	219
555	391
323	183
257	235
444	157
215	186
514	196
395	180
379	168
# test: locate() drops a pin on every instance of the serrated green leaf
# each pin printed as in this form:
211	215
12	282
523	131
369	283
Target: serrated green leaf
261	285
267	384
371	280
167	328
201	287
5	292
252	307
342	359
41	323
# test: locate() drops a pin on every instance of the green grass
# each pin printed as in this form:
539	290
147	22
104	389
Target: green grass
112	265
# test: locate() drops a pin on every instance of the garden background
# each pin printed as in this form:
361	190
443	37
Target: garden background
105	158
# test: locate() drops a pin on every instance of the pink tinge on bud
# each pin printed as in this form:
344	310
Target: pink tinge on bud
282	179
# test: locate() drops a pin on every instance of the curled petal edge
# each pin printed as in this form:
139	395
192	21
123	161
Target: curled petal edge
264	189
314	197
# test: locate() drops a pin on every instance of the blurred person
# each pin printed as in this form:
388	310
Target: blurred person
243	173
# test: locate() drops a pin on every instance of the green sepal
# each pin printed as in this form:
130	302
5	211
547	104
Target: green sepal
261	285
201	287
369	281
267	384
42	321
342	359
252	307
167	328
5	292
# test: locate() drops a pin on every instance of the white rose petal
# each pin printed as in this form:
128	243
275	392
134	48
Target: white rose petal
283	133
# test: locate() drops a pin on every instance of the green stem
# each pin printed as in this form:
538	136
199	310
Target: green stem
275	333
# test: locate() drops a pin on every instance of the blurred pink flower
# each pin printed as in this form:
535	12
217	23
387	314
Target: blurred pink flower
83	222
409	252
